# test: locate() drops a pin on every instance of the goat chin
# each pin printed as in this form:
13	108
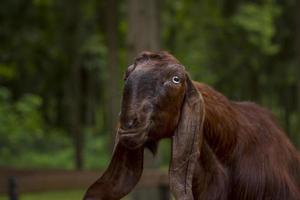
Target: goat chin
133	140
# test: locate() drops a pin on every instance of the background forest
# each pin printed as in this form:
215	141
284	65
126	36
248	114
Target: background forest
61	66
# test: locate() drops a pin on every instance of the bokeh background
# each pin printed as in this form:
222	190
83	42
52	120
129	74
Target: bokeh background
61	66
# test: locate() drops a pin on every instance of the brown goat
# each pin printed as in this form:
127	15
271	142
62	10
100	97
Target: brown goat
221	150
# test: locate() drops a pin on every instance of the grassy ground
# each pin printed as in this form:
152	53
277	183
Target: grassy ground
58	195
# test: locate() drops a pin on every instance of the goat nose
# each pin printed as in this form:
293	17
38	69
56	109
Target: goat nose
130	123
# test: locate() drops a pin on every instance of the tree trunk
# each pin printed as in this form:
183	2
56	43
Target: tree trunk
144	35
112	79
88	92
73	90
298	64
75	115
144	26
287	110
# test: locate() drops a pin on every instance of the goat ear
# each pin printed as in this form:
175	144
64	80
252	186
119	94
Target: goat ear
121	176
186	143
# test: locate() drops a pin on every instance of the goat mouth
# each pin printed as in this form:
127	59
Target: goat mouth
133	138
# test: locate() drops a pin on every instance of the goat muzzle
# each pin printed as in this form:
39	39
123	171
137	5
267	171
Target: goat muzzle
133	138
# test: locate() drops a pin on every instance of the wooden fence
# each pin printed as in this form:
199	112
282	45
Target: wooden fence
28	181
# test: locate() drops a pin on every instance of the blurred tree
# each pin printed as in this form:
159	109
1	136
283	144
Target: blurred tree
113	72
55	52
72	42
298	61
143	26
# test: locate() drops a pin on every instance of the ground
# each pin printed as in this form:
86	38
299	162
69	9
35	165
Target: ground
57	195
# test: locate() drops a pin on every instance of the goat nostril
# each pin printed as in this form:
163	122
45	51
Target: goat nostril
130	123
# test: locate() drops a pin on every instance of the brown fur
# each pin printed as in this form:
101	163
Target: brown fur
221	150
253	154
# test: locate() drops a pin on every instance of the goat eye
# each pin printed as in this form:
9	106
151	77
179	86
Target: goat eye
176	79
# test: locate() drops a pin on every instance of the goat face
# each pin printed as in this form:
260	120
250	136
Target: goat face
152	99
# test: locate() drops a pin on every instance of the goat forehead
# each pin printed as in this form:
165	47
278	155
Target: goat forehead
156	71
158	65
140	84
140	76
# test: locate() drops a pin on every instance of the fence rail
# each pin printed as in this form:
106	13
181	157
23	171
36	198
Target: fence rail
50	180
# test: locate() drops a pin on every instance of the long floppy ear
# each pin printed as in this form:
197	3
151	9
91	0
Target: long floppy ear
122	174
186	143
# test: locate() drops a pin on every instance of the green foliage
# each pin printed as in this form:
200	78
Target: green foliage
25	140
97	149
7	72
257	22
19	120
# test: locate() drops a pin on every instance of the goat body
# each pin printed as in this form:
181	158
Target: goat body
244	155
221	150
